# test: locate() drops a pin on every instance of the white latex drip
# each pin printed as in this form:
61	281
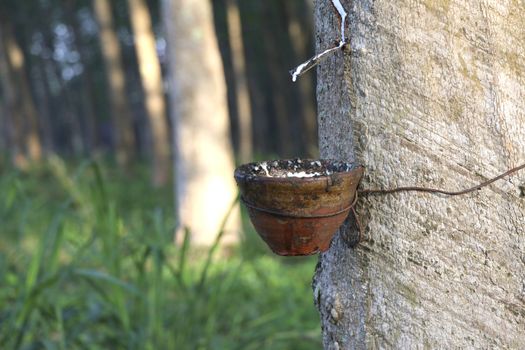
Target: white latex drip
314	61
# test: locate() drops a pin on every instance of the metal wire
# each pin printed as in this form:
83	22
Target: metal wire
429	190
440	191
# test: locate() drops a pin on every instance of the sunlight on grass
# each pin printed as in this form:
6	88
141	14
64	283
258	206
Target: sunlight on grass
87	261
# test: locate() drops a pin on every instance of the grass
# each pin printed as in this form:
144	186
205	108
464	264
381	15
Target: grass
87	261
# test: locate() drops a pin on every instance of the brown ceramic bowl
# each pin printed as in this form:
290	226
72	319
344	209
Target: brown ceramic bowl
297	205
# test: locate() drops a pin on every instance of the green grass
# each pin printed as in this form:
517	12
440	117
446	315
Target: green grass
87	261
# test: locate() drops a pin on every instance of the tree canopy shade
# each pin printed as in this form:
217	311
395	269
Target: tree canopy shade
427	92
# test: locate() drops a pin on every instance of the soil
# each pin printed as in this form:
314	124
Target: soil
301	168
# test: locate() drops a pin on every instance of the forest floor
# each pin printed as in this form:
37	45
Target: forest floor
87	261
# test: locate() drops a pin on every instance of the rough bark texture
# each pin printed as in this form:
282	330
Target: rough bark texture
203	154
431	93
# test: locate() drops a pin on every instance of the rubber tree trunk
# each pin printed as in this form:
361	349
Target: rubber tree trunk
429	93
203	153
151	77
111	52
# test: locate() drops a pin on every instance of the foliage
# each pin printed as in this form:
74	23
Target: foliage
87	261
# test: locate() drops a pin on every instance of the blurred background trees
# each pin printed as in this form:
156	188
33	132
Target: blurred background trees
203	153
87	259
89	77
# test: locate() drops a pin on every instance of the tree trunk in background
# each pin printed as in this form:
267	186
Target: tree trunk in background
86	80
8	101
242	94
4	136
88	109
43	97
122	120
203	154
151	77
300	38
431	93
21	105
277	77
66	98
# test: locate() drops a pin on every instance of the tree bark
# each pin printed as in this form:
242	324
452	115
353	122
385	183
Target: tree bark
151	77
242	94
122	120
429	93
203	153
